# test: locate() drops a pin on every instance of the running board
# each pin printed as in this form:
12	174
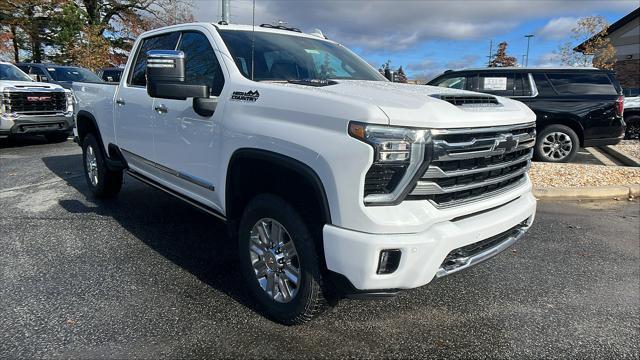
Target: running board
191	202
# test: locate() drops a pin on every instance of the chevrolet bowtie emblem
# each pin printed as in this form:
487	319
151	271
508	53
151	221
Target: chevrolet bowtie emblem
506	142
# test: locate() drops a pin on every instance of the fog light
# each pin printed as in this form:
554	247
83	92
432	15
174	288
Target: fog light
389	261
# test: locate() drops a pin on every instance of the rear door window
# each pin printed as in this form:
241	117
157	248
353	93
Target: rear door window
501	84
160	42
522	85
582	83
542	85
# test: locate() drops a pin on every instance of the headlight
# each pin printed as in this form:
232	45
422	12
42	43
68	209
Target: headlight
400	155
70	100
5	108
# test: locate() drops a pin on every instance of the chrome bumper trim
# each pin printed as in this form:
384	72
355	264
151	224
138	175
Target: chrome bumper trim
465	262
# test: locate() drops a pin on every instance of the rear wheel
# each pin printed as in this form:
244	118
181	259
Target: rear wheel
103	182
557	143
279	262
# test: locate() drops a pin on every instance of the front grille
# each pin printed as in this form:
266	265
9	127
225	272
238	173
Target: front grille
36	102
472	164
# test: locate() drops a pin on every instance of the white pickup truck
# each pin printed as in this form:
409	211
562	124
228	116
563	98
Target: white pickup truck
30	107
332	180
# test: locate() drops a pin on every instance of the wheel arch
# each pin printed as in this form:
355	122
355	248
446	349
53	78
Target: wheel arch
279	174
86	124
568	122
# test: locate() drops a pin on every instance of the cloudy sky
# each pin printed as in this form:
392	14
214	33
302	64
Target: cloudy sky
427	37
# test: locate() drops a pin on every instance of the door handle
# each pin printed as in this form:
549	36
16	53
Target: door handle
161	109
120	101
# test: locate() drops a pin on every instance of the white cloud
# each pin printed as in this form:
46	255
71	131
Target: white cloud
550	59
558	28
465	62
402	25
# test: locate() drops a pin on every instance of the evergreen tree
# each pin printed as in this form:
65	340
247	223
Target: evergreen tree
400	76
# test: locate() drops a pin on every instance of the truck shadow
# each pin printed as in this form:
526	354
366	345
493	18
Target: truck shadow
190	238
22	141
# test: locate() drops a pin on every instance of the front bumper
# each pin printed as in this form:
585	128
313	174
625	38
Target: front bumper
36	124
355	255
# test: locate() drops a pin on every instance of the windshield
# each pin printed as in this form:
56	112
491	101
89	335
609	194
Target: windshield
286	57
10	72
73	74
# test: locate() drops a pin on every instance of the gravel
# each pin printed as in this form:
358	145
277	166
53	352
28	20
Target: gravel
630	147
545	175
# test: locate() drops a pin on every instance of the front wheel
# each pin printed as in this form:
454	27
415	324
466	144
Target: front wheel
557	143
279	262
104	183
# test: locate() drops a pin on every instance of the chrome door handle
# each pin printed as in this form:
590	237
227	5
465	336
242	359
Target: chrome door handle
120	101
161	109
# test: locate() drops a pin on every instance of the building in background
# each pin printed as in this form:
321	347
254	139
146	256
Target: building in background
624	35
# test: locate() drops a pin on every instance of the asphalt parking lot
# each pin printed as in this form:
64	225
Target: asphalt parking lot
146	276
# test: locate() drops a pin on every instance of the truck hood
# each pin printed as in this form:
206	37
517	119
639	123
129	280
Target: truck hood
420	105
28	85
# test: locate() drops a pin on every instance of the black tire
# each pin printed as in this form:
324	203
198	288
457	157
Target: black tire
109	182
309	301
567	140
57	137
633	127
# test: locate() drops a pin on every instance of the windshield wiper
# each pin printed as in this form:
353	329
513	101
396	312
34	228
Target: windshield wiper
313	82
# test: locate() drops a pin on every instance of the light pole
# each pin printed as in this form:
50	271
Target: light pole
529	36
225	10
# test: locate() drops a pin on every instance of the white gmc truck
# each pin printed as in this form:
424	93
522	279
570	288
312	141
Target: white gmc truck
332	180
30	107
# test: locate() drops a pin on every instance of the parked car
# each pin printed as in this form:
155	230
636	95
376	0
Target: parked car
110	74
574	106
331	178
29	107
632	113
62	75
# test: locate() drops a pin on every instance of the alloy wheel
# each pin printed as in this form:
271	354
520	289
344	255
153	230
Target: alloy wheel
92	165
275	260
557	145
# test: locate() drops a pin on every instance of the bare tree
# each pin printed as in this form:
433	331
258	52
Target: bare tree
595	47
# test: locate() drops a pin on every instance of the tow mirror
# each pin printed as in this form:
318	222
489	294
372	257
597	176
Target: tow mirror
166	77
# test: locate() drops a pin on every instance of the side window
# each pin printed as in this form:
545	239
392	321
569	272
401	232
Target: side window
160	42
201	64
501	84
458	82
582	84
36	70
542	85
522	86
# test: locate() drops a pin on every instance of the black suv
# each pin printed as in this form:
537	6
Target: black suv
62	75
574	106
111	74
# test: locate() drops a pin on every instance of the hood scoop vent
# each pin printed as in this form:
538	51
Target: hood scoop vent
31	86
468	100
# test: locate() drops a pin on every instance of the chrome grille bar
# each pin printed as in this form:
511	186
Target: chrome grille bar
472	164
434	172
431	188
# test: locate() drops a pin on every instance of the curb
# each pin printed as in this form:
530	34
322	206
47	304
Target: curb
592	192
624	158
